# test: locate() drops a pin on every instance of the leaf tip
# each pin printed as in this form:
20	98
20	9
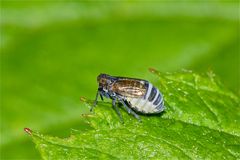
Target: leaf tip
83	99
87	115
28	131
152	70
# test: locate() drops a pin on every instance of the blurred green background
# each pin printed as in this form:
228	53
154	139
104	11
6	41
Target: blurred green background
52	52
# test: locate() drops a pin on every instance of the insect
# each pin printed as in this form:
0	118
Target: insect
136	95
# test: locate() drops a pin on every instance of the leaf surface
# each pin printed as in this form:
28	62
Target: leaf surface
201	121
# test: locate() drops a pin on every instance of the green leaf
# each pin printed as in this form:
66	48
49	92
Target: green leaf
53	53
201	121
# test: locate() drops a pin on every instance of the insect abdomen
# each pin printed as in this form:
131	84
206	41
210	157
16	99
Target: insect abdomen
151	102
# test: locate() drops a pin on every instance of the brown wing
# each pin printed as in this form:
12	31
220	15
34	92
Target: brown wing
129	87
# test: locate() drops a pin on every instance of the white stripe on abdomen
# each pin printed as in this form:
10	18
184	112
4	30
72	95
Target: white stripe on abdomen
143	104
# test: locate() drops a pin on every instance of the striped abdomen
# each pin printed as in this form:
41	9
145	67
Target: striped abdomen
151	102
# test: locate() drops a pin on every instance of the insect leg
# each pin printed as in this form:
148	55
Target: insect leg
129	110
117	110
95	101
101	96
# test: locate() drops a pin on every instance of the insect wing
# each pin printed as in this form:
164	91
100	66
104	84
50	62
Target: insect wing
129	87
